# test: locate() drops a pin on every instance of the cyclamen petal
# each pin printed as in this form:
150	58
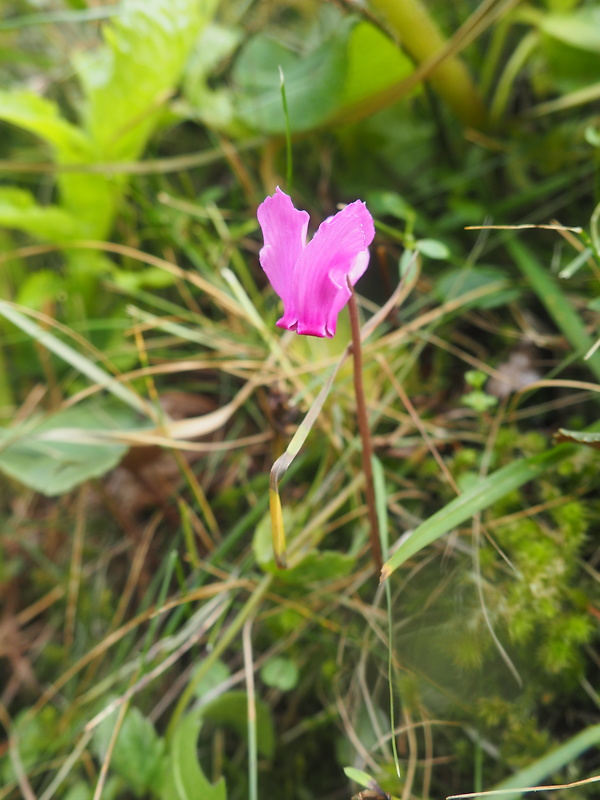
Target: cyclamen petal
311	279
284	231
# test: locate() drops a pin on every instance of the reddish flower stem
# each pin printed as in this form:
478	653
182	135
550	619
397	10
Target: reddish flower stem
363	427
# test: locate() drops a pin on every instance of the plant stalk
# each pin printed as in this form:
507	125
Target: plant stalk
363	427
411	22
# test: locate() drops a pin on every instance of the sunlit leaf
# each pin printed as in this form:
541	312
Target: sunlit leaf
127	81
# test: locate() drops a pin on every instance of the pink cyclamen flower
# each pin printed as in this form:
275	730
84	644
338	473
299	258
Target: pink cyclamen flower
311	279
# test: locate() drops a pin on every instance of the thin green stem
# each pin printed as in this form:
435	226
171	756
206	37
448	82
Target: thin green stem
388	598
380	497
363	427
288	135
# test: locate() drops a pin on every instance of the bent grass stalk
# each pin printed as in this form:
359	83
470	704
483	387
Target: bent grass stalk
284	461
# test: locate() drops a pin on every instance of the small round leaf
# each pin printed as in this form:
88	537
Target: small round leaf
280	673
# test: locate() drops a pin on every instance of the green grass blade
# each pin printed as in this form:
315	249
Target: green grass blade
554	761
555	302
576	264
70	356
480	496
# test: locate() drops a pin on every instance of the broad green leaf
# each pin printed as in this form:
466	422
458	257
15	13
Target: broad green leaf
555	301
477	498
19	210
138	752
231	709
41	454
280	673
126	83
313	83
375	63
184	779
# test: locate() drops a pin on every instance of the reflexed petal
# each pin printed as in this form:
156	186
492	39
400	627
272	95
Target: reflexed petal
338	250
284	231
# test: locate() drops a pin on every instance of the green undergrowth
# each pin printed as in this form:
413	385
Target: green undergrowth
149	645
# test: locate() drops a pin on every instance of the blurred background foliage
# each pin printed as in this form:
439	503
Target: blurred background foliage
145	391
